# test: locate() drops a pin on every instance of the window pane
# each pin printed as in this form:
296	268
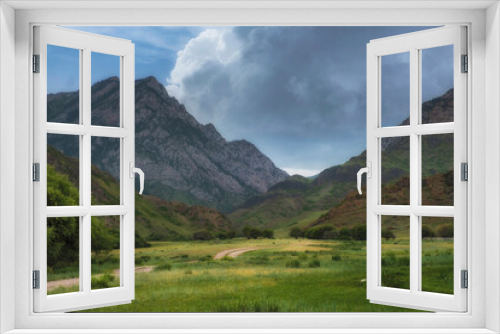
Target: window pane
63	170
437	169
63	84
395	90
63	255
105	234
105	89
437	84
395	251
437	254
105	171
395	171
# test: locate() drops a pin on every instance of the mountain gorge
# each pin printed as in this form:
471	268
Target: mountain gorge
183	160
303	202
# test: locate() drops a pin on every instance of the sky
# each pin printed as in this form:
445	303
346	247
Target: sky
297	93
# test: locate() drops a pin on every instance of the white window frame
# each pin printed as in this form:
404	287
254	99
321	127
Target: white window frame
413	44
86	44
482	19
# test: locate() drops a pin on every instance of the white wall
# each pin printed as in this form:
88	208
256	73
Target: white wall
492	150
7	160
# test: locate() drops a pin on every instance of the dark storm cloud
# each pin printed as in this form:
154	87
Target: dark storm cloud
298	93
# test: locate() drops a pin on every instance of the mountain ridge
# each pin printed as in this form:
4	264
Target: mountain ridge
183	160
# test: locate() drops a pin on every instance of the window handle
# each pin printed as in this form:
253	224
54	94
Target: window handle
139	171
368	171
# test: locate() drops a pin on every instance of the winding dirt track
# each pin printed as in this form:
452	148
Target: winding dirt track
146	269
51	285
233	252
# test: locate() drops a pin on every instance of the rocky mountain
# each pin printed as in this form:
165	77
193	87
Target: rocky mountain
155	219
301	201
183	160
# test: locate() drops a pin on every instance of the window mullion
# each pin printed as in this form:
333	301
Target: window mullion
85	167
414	171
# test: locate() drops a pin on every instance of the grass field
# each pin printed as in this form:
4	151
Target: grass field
282	275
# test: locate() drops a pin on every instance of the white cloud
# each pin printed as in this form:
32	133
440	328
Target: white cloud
216	46
303	172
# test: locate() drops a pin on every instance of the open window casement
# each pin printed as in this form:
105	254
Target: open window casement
80	215
417	142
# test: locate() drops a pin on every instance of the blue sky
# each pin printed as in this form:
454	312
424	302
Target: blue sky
297	93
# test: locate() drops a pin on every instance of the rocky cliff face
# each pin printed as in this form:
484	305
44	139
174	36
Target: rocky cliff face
183	160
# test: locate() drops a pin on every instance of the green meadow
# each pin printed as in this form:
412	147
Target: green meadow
279	275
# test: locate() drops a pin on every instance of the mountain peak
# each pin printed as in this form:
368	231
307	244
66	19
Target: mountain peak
183	159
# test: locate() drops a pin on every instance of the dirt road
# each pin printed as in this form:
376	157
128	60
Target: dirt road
51	285
233	252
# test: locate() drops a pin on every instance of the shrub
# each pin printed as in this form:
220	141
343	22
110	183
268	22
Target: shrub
445	231
345	234
388	234
251	232
336	257
318	232
231	234
314	264
221	235
268	234
427	232
141	242
296	232
202	235
293	264
102	281
358	232
163	266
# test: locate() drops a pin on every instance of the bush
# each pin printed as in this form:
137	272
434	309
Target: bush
445	231
318	232
388	234
140	242
336	257
427	232
345	234
358	232
296	232
163	266
202	235
102	281
251	232
314	264
231	234
268	234
221	235
293	264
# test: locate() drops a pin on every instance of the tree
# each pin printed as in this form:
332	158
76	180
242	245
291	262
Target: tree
445	231
296	232
268	233
318	232
251	232
427	232
202	235
345	234
388	234
358	232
